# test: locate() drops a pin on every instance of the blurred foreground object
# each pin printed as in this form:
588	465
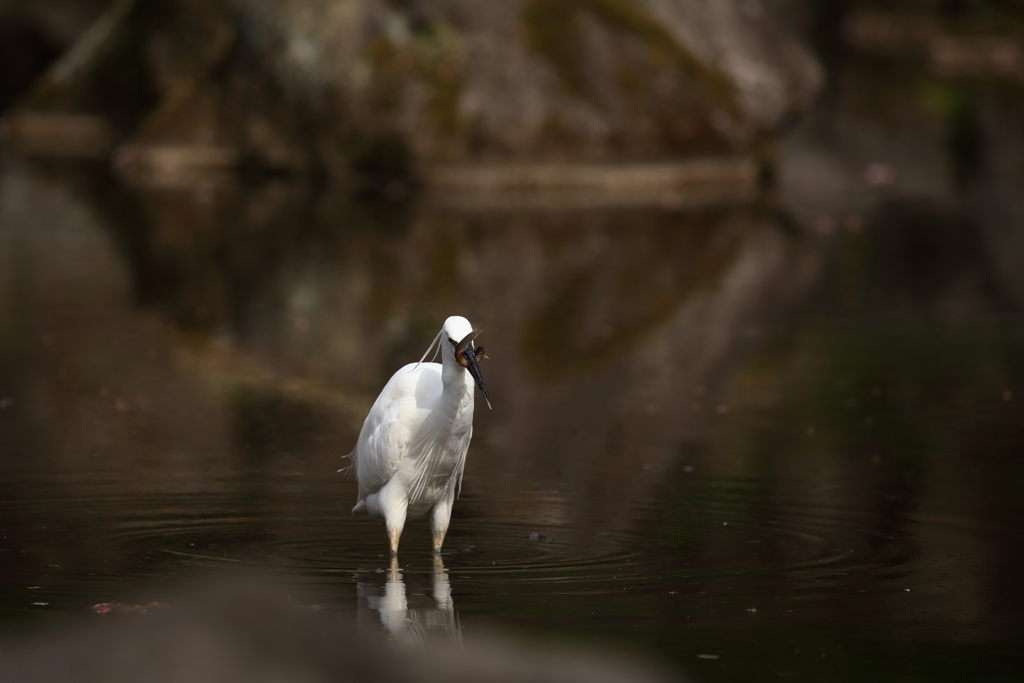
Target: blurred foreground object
382	92
230	634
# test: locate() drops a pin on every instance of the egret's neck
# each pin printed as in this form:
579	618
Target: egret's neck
458	383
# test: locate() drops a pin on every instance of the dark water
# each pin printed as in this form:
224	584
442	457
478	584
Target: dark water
758	441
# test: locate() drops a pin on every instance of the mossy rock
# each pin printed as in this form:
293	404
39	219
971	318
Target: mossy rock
309	86
554	30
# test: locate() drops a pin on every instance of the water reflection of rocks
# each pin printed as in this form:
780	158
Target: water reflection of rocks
612	330
430	618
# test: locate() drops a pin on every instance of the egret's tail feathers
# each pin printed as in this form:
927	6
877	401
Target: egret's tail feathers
360	508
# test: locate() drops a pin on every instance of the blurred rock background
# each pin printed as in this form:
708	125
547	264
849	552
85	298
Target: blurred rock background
382	89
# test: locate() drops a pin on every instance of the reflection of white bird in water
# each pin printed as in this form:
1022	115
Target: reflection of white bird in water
412	447
436	622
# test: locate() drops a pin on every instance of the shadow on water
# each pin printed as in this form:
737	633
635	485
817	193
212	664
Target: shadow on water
716	435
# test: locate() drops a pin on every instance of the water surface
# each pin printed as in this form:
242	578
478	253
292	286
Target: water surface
725	437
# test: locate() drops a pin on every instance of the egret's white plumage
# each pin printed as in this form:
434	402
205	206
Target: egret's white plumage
412	448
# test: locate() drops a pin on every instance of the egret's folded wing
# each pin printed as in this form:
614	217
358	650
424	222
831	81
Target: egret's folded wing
380	448
395	416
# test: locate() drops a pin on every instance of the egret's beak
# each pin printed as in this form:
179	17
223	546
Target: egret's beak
467	355
474	369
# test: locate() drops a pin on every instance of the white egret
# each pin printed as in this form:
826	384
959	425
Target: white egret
412	447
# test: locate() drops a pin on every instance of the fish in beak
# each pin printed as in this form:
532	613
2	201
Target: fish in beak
469	357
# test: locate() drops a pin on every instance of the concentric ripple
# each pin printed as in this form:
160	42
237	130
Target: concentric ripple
107	542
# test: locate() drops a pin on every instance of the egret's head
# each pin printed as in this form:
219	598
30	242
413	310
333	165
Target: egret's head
458	334
456	327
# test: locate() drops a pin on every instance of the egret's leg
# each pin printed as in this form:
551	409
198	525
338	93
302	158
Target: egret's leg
394	533
439	518
393	503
